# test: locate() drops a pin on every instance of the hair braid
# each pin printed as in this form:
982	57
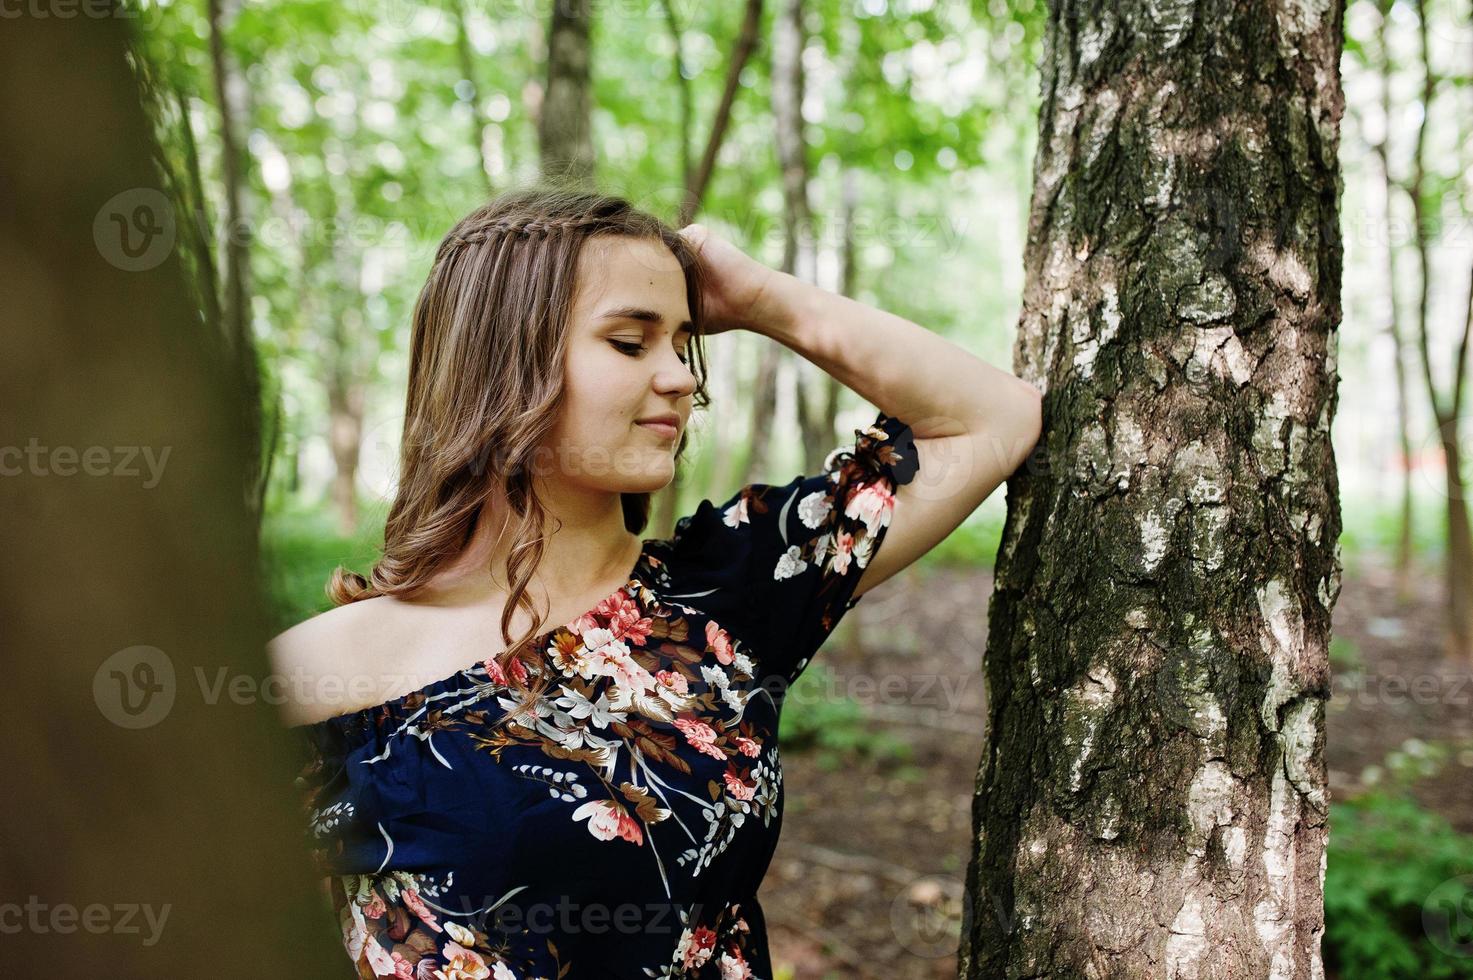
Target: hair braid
527	228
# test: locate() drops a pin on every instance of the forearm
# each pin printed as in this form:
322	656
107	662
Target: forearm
907	371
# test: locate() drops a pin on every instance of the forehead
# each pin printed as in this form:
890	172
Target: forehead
618	272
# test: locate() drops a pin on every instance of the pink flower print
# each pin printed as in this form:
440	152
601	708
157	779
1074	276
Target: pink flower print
403	969
674	680
498	676
583	623
872	503
736	787
720	641
464	964
736	514
613	660
379	959
697	947
843	549
418	907
355	931
626	620
375	909
747	746
733	966
607	820
700	735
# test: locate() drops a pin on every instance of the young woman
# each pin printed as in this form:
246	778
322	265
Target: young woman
593	789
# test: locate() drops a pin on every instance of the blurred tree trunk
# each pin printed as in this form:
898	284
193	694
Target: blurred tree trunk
348	354
787	103
698	180
800	249
695	181
465	56
565	123
236	309
1458	565
1382	152
148	800
1153	800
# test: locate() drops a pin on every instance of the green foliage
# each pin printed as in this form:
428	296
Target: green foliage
818	719
299	550
1373	528
974	544
1390	864
1344	654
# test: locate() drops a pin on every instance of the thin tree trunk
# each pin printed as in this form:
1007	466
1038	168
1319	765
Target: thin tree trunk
741	53
197	218
687	98
1405	535
466	58
1153	801
695	181
788	39
1458	565
565	124
345	371
237	249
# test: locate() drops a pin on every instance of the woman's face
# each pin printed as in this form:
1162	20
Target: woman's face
628	344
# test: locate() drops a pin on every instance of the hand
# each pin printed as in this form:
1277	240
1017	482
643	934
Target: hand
738	293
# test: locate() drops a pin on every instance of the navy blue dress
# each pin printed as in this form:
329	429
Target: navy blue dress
624	829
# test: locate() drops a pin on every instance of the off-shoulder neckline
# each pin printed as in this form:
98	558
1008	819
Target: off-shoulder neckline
364	715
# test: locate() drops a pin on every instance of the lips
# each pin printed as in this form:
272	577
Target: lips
667	429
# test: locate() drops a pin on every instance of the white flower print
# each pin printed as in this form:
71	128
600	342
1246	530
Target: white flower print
873	504
574	706
790	564
814	509
736	514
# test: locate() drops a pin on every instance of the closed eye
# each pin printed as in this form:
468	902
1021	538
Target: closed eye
634	349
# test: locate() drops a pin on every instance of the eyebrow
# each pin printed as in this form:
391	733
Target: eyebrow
643	315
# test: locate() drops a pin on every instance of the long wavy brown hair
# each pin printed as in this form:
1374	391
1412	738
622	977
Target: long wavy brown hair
485	383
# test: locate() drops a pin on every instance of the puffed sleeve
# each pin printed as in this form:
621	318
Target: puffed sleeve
784	559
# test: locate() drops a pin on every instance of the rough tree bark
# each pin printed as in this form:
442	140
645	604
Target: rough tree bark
1153	800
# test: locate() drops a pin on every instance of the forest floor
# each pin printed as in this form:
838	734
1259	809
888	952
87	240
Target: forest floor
867	879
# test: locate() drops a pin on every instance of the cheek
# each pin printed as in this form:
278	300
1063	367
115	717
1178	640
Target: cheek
602	394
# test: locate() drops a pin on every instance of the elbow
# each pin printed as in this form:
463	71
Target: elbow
1030	421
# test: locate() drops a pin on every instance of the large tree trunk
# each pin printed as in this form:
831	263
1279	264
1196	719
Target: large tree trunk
565	122
149	815
1153	799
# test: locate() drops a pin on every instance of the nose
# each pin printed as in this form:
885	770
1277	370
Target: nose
674	376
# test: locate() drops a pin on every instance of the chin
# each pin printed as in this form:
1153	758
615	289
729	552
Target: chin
653	479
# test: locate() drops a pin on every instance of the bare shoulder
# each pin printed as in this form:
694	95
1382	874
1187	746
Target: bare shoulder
316	658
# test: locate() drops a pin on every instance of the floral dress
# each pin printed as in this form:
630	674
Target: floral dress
622	829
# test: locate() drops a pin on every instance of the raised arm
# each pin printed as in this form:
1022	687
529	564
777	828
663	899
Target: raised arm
974	423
